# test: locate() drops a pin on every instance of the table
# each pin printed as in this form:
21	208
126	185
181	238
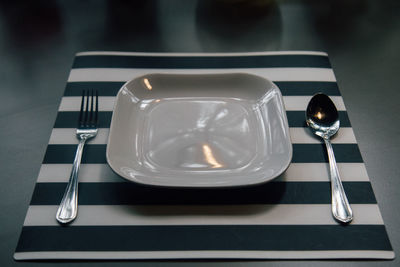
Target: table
39	40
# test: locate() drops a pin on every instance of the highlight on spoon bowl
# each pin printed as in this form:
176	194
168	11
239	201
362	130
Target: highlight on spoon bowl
322	116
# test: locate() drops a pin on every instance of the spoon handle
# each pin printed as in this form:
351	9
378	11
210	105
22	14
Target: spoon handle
341	209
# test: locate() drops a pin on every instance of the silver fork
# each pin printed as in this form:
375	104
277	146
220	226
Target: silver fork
87	129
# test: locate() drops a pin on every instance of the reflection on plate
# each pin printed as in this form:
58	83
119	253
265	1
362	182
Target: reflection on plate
199	130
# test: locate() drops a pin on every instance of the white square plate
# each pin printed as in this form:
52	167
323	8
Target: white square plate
199	130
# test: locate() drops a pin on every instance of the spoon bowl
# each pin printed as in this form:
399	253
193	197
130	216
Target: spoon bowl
323	119
322	116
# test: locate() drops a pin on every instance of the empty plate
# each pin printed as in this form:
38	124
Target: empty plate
199	130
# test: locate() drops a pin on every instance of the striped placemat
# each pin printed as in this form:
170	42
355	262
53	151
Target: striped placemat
288	218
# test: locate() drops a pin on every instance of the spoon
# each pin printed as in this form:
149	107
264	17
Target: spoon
322	117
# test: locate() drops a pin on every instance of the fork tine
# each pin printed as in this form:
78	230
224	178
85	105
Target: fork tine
96	112
80	121
86	109
90	121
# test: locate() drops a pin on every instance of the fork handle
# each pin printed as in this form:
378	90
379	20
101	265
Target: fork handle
68	208
341	209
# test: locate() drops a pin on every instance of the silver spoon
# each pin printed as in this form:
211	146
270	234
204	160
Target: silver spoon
322	117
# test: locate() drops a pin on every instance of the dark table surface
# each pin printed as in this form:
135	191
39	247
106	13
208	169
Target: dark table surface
38	40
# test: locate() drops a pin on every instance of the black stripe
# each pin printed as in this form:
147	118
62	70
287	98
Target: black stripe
123	193
302	153
204	237
287	88
307	153
104	88
308	88
69	119
201	62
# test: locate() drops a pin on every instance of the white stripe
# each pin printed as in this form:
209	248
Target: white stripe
300	135
297	172
106	103
319	172
301	102
273	74
204	254
281	214
67	136
73	103
303	135
88	173
116	53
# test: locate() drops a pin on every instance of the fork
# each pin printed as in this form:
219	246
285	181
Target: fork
87	129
